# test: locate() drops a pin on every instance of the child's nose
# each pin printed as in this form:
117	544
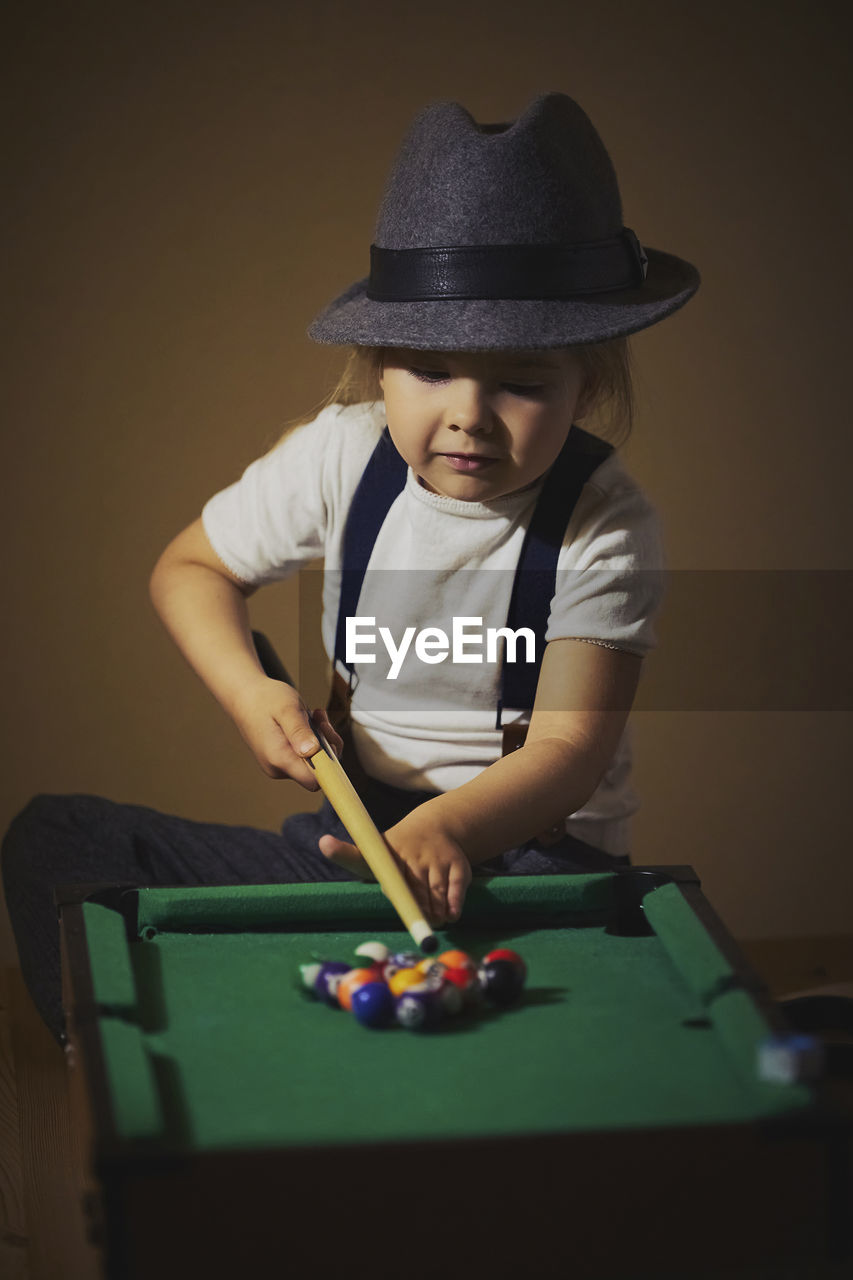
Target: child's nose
469	406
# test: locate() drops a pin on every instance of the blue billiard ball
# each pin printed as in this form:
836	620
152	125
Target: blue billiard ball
373	1004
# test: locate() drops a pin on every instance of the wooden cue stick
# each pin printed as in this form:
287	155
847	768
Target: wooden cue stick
369	841
347	804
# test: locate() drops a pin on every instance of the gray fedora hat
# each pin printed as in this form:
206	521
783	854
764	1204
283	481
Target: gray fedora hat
509	236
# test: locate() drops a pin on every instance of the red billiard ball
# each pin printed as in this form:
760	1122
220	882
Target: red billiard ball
504	953
467	982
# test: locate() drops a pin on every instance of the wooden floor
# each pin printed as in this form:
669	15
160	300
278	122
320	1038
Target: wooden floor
42	1171
43	1235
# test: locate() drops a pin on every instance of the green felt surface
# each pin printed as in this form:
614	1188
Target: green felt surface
612	1031
298	905
113	982
698	958
138	1104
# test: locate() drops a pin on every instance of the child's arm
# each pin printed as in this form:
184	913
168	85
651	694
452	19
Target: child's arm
583	698
203	606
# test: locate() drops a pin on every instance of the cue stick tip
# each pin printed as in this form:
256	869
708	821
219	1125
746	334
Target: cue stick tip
424	937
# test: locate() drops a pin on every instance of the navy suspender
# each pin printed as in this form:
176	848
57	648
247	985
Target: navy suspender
536	573
383	479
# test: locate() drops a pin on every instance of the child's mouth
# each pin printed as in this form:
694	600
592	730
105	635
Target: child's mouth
468	461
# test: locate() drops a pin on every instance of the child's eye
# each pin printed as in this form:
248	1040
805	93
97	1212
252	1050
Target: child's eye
527	390
524	390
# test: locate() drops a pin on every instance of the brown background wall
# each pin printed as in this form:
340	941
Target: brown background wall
187	184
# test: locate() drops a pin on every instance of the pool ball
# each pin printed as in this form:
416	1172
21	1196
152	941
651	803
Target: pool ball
396	962
450	999
456	959
327	980
308	975
376	951
350	983
468	983
432	972
373	1005
418	1010
502	981
403	979
504	953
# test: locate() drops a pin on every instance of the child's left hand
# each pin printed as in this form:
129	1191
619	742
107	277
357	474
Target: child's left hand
433	862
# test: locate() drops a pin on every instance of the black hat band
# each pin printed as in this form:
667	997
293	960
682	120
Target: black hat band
532	271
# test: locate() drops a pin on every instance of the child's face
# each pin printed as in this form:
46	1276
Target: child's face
477	426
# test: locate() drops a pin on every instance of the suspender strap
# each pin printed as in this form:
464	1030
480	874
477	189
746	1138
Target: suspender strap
383	479
536	575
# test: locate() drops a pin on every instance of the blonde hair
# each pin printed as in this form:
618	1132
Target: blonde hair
609	379
606	367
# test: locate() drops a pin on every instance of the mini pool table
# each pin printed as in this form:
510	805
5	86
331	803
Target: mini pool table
612	1123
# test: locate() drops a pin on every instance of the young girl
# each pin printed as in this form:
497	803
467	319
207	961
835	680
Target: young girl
492	573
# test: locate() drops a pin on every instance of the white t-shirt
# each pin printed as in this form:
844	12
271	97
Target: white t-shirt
421	721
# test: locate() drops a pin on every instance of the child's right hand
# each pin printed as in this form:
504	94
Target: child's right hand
274	721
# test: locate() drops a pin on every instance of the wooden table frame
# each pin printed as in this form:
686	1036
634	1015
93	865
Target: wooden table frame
611	1202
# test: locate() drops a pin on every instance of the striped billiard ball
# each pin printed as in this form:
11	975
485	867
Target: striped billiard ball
327	979
418	1010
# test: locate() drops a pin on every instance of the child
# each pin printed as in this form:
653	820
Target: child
501	290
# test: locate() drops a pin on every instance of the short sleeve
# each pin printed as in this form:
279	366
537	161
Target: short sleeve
274	518
610	579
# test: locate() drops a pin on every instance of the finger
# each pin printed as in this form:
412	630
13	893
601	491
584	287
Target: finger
457	886
438	897
278	760
344	855
328	731
304	775
297	744
295	724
